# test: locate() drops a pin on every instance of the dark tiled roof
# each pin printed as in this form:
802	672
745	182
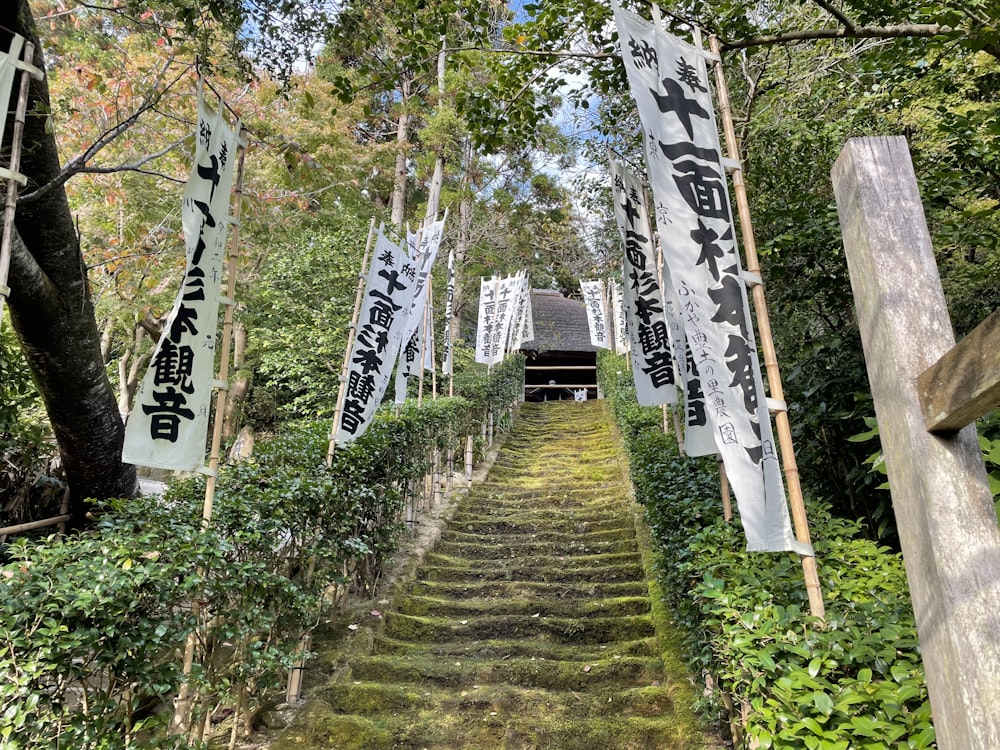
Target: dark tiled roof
560	324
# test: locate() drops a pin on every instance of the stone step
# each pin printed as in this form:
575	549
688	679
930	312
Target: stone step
522	524
368	698
624	534
482	729
517	648
486	548
590	631
534	673
529	571
529	590
465	608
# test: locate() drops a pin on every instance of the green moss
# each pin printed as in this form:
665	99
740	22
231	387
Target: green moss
530	625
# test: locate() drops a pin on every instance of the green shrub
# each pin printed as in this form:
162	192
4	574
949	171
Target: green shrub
785	679
93	626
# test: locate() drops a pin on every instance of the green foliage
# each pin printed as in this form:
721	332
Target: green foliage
298	311
88	626
92	625
854	680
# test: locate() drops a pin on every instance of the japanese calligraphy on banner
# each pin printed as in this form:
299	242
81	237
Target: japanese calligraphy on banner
424	249
508	291
597	313
487	322
8	71
447	366
389	291
670	85
523	328
497	302
618	313
168	427
649	335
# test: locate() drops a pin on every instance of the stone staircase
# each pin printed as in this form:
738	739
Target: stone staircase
528	626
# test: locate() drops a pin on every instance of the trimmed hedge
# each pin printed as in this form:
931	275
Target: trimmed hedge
92	625
780	677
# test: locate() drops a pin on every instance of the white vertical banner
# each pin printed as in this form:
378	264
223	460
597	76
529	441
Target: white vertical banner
670	84
487	322
168	426
597	314
448	366
8	71
507	291
524	320
424	248
389	291
651	353
618	313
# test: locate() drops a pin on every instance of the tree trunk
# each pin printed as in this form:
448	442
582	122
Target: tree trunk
462	245
52	312
239	385
402	144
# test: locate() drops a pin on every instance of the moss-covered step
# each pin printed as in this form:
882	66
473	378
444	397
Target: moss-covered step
588	630
517	648
527	590
521	571
468	607
622	671
528	627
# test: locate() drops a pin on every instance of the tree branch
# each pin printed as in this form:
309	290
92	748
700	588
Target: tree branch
836	13
864	32
535	52
78	163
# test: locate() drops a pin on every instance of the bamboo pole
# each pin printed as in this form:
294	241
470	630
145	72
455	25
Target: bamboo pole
423	343
352	332
227	334
15	178
182	707
727	503
787	448
468	460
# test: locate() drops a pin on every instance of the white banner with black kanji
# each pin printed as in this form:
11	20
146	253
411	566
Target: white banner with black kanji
8	72
168	426
424	247
597	313
388	296
487	323
669	81
651	353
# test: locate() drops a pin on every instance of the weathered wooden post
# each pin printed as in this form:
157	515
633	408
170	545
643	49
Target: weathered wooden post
944	510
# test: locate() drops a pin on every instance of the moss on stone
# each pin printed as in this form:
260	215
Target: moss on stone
530	625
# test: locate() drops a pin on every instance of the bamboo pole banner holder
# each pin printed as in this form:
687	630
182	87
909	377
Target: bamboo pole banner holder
12	173
766	340
941	499
184	702
352	332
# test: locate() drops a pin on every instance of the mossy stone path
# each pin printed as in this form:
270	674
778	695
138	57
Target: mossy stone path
528	626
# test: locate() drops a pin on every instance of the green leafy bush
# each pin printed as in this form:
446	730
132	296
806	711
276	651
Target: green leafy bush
92	626
782	678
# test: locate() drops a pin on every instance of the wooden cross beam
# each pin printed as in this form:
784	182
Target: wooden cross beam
965	383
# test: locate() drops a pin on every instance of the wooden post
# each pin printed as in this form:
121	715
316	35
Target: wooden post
352	332
469	442
944	510
184	701
965	383
225	347
727	503
776	402
13	175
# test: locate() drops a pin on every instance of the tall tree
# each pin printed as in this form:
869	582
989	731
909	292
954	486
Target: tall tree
50	305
